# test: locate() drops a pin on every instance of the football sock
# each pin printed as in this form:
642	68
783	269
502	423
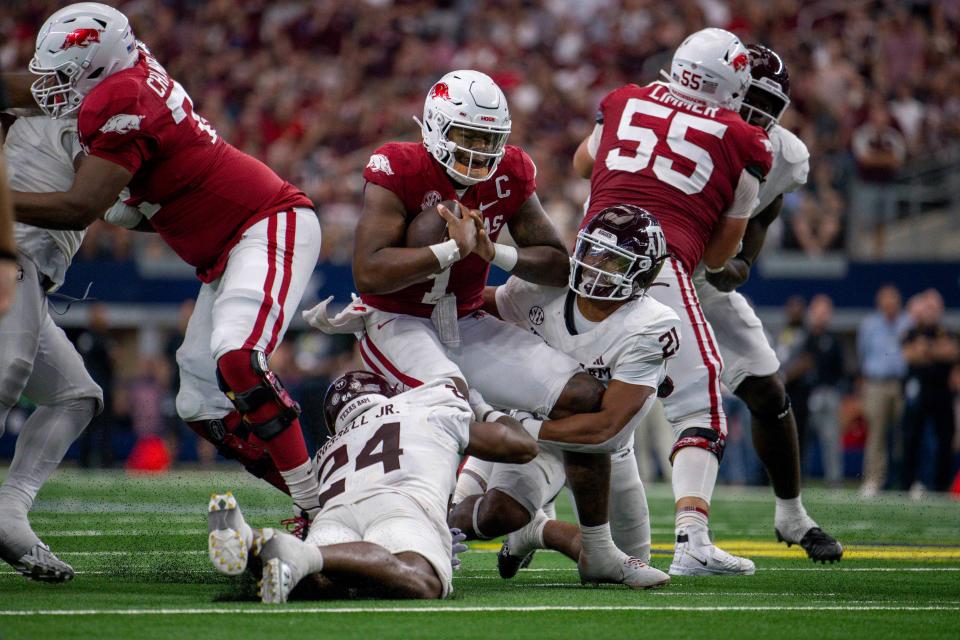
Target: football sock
473	479
791	518
690	518
629	514
312	558
694	473
598	543
41	445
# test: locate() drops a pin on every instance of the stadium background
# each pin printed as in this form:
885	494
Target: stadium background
313	87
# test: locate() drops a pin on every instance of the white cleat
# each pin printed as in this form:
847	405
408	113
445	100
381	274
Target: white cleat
42	565
281	572
230	537
696	555
631	571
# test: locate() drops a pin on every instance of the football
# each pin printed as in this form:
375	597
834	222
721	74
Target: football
428	227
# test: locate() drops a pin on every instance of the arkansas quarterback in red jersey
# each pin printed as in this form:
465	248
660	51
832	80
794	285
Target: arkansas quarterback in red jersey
253	238
681	150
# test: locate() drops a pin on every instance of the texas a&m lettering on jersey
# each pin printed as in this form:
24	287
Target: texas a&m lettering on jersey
420	182
680	161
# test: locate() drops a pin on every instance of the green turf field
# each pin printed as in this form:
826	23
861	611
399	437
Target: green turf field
139	548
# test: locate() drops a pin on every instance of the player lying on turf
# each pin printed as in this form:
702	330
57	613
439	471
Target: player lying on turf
253	237
750	366
420	316
36	358
623	337
386	476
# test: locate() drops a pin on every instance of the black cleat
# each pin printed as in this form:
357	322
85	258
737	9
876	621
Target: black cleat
820	546
509	565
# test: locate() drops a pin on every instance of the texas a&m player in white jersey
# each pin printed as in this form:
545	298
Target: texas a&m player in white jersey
36	358
386	476
621	336
750	366
680	150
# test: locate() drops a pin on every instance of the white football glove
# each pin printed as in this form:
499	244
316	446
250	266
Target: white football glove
457	547
349	320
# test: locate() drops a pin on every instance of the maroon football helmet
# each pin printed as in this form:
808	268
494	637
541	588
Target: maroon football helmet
351	394
769	93
618	254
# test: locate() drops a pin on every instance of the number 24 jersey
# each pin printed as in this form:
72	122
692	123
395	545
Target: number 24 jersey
409	444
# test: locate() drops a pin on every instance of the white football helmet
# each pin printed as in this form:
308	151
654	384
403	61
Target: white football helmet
711	67
77	47
465	125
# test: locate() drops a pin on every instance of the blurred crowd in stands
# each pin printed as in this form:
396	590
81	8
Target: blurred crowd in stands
312	87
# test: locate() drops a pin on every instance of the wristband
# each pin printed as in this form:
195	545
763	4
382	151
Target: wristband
492	416
504	256
447	252
747	261
7	255
532	426
712	270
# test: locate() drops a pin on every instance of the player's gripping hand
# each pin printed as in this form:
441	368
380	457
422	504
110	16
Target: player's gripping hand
733	275
463	231
9	271
484	248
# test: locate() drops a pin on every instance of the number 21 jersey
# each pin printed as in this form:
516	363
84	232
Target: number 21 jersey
409	444
680	161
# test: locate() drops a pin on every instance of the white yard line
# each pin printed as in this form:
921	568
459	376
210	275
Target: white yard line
853	606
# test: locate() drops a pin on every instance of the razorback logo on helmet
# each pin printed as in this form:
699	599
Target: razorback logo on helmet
440	90
381	163
80	38
741	62
122	123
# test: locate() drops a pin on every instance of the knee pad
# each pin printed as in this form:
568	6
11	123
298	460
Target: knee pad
267	392
709	439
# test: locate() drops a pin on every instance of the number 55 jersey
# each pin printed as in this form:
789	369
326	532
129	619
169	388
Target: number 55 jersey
679	160
199	192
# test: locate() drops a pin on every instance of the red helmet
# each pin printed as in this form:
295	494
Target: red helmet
768	95
351	394
618	254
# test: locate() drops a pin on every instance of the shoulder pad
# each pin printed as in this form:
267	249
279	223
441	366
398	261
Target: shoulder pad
651	317
792	148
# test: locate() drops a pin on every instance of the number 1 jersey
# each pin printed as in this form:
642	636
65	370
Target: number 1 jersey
680	161
199	192
409	444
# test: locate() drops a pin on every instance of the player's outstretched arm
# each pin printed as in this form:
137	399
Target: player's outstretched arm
621	402
541	256
381	264
95	188
737	270
501	441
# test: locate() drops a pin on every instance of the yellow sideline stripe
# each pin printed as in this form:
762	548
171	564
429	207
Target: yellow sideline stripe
770	549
